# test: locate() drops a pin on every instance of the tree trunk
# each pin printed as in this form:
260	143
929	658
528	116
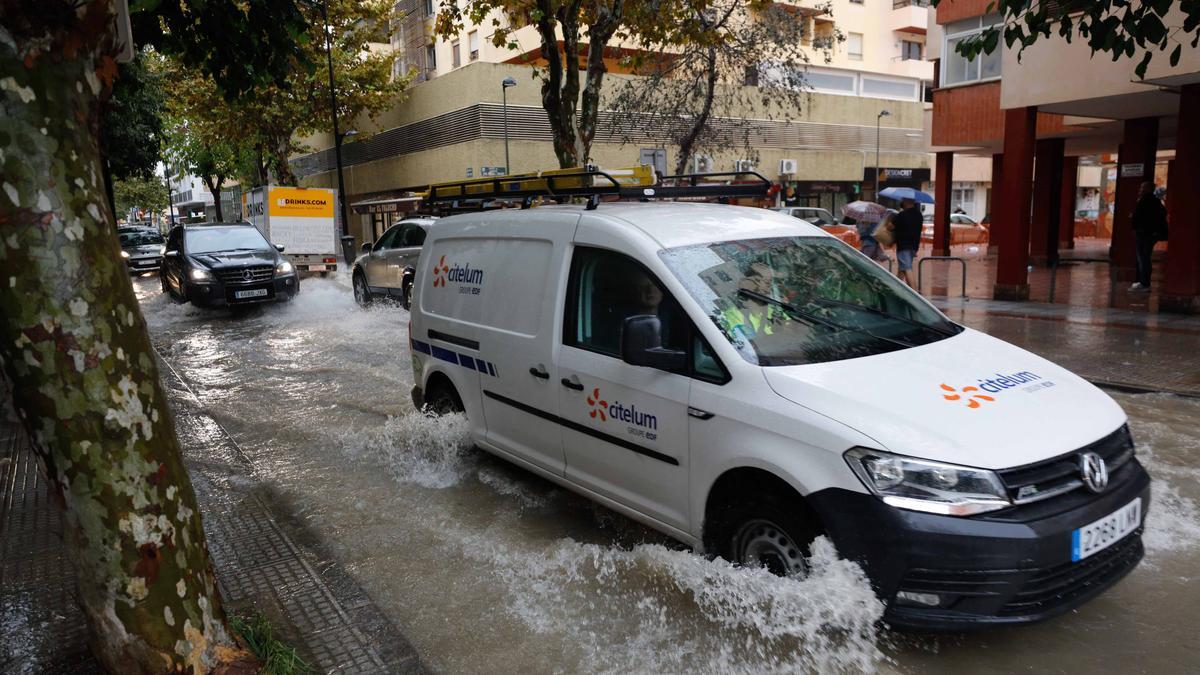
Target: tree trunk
279	160
560	111
687	143
214	185
599	33
74	347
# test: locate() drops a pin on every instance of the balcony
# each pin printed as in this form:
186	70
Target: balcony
910	16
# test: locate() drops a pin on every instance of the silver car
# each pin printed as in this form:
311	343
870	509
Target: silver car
386	267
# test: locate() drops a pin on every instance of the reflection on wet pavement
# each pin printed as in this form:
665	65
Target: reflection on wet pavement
487	568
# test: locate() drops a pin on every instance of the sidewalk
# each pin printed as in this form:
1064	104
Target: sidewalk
263	564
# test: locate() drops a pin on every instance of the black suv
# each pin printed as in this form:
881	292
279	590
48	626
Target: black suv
225	264
141	248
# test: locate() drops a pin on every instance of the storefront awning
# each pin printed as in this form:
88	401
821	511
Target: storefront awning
394	205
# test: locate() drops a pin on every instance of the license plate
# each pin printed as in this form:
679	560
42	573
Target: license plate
317	268
143	262
1100	534
253	293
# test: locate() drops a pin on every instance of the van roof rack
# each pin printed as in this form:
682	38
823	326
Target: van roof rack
640	182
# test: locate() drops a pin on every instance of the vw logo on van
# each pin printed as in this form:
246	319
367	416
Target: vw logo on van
1094	471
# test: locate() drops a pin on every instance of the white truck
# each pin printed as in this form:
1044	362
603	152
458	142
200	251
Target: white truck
301	220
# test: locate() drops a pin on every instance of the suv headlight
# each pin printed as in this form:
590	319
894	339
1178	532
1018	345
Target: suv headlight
925	485
201	274
284	267
125	254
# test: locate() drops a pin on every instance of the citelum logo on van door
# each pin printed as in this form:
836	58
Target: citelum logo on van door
638	423
470	279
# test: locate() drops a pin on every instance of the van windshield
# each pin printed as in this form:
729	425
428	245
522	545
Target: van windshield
793	300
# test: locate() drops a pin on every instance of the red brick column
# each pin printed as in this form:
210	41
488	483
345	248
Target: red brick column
994	201
1138	146
1066	203
1181	287
1047	193
942	186
1011	230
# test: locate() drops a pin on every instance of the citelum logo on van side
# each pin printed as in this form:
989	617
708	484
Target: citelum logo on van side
604	411
444	273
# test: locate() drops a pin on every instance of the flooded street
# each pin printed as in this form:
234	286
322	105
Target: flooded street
487	568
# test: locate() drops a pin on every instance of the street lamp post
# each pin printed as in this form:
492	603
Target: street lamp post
337	136
875	189
508	82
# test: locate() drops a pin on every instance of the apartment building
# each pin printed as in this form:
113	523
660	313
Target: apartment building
1037	117
457	116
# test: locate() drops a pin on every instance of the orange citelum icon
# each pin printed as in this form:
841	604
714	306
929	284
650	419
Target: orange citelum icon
972	400
595	400
439	270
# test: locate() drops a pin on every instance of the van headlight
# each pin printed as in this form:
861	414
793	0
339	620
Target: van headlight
284	267
924	485
201	274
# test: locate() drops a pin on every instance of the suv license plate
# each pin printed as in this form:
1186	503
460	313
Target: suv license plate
317	268
254	293
1099	535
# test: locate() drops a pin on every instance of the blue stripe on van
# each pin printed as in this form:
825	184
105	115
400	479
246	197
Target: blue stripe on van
419	346
454	357
466	361
444	354
492	369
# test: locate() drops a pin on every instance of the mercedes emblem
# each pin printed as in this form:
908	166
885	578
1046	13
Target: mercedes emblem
1094	471
247	275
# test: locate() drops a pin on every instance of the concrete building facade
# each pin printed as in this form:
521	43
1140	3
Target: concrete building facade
451	124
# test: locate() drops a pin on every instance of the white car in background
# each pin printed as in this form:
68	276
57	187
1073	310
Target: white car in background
386	267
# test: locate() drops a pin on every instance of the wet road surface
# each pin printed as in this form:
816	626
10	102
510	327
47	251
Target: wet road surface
487	568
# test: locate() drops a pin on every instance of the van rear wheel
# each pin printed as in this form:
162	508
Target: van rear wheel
442	400
769	532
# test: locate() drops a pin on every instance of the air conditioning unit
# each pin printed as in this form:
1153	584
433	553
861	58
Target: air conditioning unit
702	164
742	165
787	166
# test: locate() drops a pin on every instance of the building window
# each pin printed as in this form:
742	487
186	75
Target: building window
473	45
903	90
956	69
430	60
910	50
429	7
832	82
854	46
456	57
750	79
963	198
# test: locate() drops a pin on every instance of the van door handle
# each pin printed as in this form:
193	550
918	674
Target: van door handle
539	371
572	383
700	414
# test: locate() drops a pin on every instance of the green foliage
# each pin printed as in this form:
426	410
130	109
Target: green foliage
131	131
1119	28
242	44
251	137
147	194
277	658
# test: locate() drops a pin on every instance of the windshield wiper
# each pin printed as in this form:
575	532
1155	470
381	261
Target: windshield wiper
854	305
813	318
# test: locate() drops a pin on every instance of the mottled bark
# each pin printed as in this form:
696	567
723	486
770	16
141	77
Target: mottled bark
687	144
74	346
214	185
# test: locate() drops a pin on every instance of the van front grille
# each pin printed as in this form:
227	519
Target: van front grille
1060	475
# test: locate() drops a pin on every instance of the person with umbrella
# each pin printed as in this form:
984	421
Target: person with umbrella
907	227
868	217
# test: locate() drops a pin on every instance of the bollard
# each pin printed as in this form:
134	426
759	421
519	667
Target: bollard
961	261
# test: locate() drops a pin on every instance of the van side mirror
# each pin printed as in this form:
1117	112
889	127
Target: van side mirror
279	247
641	345
366	247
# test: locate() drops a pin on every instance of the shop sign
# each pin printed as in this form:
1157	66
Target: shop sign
492	171
470	172
1133	170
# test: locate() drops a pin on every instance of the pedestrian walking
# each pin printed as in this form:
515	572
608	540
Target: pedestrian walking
1149	227
907	228
870	246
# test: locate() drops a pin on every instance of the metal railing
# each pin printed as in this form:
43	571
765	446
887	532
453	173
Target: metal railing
952	258
900	4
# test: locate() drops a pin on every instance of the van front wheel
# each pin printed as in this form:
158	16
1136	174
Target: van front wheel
768	532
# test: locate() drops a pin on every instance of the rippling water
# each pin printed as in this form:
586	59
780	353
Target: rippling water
487	568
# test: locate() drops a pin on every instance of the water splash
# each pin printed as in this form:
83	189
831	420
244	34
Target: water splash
654	609
429	451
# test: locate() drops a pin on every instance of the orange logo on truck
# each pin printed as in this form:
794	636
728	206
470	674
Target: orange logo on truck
439	272
598	404
972	400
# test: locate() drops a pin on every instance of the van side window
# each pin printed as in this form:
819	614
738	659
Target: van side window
605	289
705	365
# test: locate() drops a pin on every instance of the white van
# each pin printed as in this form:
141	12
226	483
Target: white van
744	382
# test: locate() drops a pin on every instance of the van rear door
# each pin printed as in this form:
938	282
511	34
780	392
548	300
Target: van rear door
507	277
